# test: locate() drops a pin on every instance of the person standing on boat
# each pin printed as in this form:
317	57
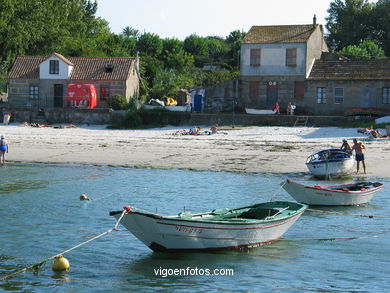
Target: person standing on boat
3	148
358	147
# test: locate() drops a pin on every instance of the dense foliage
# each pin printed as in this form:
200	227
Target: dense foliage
71	28
353	22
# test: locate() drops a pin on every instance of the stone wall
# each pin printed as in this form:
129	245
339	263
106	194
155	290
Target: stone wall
66	115
106	116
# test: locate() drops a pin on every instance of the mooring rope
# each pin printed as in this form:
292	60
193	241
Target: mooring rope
37	266
347	214
328	239
276	192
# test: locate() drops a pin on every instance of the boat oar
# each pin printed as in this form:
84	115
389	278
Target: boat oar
280	211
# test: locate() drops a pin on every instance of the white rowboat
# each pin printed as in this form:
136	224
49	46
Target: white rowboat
186	108
336	195
224	228
330	162
259	111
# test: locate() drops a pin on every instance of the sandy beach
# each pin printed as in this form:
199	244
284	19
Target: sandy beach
240	149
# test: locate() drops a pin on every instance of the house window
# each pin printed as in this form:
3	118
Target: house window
254	91
34	92
54	67
339	95
321	95
291	57
255	57
386	95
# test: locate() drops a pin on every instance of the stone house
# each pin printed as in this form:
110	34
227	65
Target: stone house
336	84
275	61
291	63
42	81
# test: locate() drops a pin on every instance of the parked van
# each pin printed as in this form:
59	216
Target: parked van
81	96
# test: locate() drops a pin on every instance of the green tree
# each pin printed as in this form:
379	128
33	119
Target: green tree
150	44
198	48
234	40
217	51
167	82
381	25
130	32
348	22
366	50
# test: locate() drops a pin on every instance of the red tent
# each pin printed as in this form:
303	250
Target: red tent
81	96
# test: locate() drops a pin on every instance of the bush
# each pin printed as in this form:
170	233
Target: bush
119	102
153	118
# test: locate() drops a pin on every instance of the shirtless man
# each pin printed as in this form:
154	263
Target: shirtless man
358	147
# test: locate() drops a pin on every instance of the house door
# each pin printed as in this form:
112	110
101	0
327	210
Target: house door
367	98
272	94
58	95
198	103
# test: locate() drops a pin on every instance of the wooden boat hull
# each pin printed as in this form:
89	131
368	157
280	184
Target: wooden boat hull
336	166
174	235
338	195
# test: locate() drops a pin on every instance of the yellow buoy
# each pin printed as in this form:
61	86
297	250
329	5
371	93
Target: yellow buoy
60	264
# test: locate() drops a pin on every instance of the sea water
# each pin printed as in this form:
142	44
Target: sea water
41	216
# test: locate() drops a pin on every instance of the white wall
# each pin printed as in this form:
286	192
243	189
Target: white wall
273	60
64	69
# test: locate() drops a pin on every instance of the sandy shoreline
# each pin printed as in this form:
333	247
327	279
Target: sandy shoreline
249	149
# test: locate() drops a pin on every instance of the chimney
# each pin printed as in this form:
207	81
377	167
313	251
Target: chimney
314	20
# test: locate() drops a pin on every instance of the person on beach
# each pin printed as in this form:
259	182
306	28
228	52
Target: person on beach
358	147
346	147
3	148
276	108
293	107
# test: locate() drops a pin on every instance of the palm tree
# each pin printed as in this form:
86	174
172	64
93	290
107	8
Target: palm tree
130	32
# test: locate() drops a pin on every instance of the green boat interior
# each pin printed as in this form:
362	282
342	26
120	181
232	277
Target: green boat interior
256	212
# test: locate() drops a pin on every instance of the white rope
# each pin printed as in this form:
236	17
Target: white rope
272	196
347	214
38	265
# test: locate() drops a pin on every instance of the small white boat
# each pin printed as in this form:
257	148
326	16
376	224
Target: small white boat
344	194
259	111
330	163
186	108
244	227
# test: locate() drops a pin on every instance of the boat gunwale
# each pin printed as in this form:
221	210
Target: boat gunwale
311	161
339	191
279	217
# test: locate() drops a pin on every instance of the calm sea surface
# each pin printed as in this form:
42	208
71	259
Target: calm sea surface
41	216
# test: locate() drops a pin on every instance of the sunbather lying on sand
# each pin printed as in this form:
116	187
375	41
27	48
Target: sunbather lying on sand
371	132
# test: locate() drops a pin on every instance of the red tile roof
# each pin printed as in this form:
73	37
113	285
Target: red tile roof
85	68
378	69
279	34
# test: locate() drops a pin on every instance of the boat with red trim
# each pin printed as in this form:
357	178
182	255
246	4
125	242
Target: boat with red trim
223	228
335	195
